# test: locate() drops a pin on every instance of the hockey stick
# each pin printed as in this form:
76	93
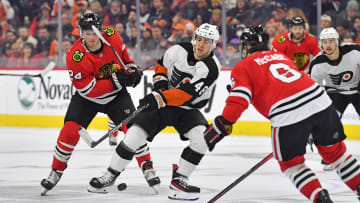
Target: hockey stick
45	71
331	90
84	134
241	178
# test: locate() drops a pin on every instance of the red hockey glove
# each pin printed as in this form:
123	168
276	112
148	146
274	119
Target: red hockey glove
217	131
153	101
134	75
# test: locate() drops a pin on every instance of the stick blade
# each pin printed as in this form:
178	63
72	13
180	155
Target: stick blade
48	68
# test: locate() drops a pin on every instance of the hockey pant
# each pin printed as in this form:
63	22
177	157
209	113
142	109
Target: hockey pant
305	179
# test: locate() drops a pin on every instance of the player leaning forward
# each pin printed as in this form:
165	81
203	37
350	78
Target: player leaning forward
183	80
299	107
100	87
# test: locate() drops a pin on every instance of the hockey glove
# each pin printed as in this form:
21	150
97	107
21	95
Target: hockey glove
134	75
153	101
119	76
161	82
217	131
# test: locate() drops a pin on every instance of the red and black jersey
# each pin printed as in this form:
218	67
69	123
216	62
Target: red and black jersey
84	66
298	52
270	81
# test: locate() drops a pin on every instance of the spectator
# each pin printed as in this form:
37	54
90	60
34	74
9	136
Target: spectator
348	39
146	43
216	4
114	16
82	6
272	29
325	21
357	29
120	28
75	34
177	35
343	28
159	12
43	19
203	10
144	12
24	37
44	41
131	22
348	15
95	7
241	14
66	46
133	37
262	13
27	58
6	52
10	36
67	28
232	53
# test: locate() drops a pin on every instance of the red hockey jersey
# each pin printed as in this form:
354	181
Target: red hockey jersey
85	67
298	52
270	81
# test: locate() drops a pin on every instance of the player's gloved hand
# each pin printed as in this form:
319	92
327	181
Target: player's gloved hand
161	82
153	101
217	131
119	76
134	75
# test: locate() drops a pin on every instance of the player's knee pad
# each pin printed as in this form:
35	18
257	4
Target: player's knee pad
135	137
285	165
196	137
332	153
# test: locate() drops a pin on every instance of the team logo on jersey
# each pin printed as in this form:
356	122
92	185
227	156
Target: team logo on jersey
311	35
281	39
109	31
178	77
341	77
300	59
78	56
105	71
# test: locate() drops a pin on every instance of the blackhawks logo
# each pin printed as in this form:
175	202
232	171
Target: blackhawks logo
109	31
281	39
78	56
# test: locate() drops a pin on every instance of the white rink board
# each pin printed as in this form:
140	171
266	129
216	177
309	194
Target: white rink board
54	97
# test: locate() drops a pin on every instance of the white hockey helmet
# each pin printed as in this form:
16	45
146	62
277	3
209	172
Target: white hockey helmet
208	31
329	33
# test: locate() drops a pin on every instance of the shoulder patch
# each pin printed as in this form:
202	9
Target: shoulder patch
311	35
109	31
281	39
78	56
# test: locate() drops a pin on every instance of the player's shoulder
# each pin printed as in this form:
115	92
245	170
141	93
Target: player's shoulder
76	53
281	38
111	34
318	60
346	48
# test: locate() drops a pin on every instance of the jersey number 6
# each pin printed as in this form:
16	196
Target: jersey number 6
284	73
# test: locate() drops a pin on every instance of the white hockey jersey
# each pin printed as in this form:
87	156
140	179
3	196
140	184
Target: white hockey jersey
189	81
343	73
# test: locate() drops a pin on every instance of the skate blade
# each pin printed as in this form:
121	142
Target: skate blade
156	188
97	190
44	191
176	194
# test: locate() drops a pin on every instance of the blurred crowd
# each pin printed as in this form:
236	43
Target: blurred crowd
29	28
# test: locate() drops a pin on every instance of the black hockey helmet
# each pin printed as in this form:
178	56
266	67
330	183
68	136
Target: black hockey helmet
254	39
89	19
297	21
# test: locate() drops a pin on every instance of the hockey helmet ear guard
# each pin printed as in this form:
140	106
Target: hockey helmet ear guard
87	20
208	31
329	33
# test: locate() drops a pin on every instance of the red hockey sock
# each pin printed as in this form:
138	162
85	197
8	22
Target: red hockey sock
143	158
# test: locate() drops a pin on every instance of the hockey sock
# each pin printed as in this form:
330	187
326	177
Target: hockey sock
66	142
347	167
142	154
301	176
189	161
111	125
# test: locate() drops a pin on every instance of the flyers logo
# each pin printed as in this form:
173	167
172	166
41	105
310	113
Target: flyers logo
281	39
178	77
109	31
78	56
341	77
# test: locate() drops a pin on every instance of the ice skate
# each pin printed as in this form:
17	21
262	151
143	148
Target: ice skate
180	189
99	185
48	183
327	167
151	178
323	197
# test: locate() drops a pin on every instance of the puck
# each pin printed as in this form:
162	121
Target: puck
122	186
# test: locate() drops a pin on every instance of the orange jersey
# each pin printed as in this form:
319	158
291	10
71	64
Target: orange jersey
270	81
298	52
84	66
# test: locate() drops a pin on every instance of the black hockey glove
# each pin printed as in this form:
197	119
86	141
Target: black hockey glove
119	76
161	82
153	101
134	75
217	131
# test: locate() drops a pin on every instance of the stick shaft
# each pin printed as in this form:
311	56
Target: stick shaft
241	178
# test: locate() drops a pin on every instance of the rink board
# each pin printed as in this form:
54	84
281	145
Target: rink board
30	103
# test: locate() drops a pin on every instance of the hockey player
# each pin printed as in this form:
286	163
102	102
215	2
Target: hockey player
297	44
100	84
299	107
183	80
339	68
